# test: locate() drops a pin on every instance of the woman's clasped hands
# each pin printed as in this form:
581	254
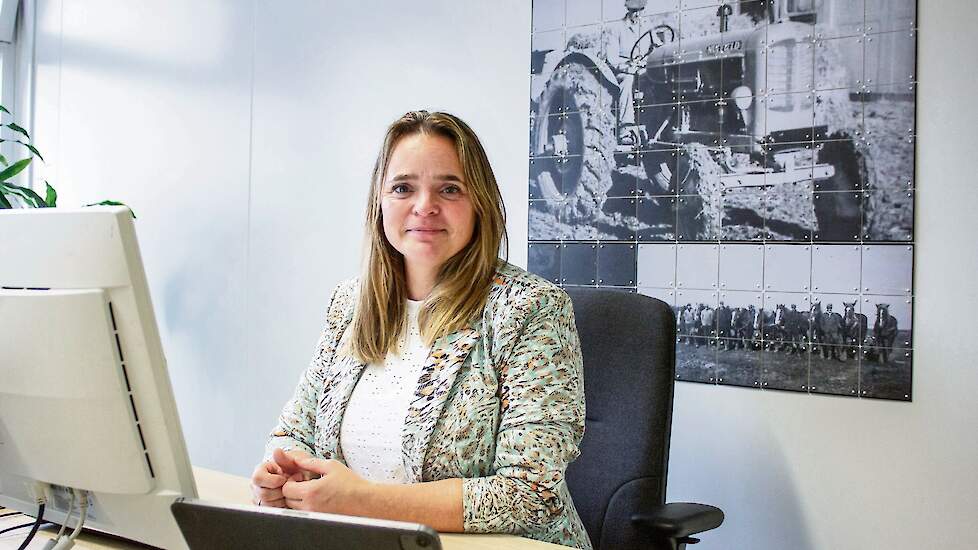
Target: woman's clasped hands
294	479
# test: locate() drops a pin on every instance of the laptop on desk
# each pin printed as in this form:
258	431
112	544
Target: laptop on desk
207	525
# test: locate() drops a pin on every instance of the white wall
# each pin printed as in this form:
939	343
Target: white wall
243	133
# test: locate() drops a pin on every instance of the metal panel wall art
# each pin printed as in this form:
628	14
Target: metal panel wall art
751	163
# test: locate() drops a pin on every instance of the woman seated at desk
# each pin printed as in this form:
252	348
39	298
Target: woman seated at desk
447	387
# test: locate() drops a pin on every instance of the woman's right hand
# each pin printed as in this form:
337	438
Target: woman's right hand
269	477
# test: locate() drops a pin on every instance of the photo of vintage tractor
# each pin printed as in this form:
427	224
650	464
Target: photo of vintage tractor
728	121
749	162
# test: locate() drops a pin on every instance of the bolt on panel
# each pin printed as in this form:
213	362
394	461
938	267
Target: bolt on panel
790	212
543	259
743	212
579	264
839	216
656	265
545	220
888	215
890	321
887	269
656	218
891	58
547	15
886	374
893	170
697	218
624	211
890	15
834	370
657	172
787	267
617	264
840	63
696	266
848	19
836	268
625	176
741	267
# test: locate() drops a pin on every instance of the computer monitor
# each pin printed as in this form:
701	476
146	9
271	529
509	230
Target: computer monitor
85	398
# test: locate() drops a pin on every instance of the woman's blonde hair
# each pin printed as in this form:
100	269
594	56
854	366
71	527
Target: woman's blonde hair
463	282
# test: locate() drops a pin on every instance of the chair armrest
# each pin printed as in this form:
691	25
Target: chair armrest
677	520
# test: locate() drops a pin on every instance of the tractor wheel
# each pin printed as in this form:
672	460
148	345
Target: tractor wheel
840	217
575	118
697	178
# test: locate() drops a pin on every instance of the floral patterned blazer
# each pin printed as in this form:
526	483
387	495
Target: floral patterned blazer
499	404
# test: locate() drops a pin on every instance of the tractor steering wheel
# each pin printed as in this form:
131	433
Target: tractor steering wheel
660	35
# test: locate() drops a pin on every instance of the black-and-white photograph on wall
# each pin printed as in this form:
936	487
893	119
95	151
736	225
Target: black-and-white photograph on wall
749	162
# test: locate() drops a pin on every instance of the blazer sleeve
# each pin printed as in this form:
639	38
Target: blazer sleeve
296	427
541	425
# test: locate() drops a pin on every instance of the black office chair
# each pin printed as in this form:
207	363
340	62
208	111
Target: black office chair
619	482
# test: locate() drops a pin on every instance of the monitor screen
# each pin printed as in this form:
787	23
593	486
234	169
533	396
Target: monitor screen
85	398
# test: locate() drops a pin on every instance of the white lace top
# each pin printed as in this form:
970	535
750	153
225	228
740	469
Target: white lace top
370	435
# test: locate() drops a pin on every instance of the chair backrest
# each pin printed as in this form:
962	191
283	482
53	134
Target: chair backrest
629	346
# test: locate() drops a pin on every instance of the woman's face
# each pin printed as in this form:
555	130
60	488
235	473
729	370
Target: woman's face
428	213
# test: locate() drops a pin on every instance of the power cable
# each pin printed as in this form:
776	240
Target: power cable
9	529
51	543
65	544
40	490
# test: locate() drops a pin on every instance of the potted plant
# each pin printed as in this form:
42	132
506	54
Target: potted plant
12	195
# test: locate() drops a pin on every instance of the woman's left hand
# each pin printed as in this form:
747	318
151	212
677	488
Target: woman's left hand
338	491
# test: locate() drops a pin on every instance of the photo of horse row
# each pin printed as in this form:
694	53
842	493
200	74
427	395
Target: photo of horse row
853	345
832	318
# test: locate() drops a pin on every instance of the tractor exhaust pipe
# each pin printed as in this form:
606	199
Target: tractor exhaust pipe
724	12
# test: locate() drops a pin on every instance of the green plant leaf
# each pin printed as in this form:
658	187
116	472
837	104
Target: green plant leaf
14	169
4	203
3	160
32	149
25	193
113	203
51	196
4	109
18	129
20	192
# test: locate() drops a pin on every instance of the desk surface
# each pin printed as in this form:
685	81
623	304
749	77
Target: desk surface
221	487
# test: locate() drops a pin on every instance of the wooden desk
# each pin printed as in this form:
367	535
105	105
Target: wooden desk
221	487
